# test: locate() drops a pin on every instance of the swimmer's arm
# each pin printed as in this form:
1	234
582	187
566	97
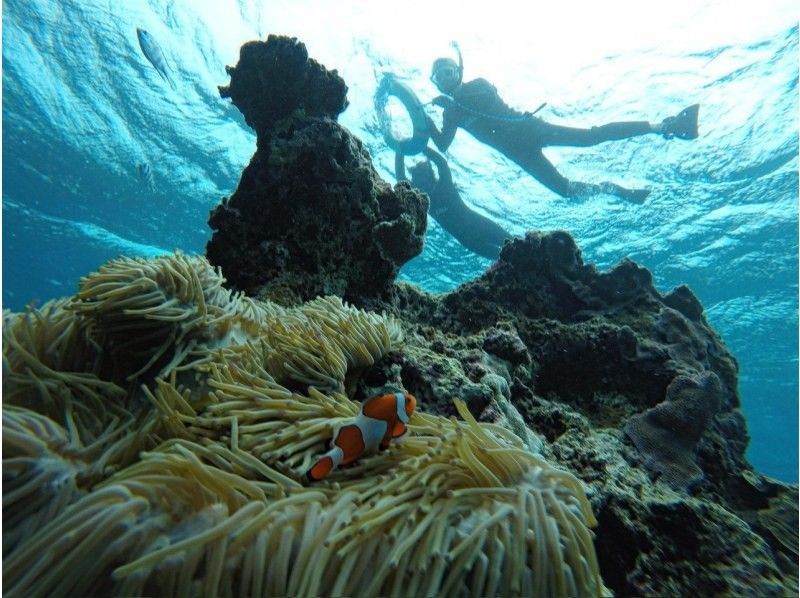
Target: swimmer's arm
445	175
400	167
445	137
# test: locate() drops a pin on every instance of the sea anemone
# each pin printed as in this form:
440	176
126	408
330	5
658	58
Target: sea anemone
190	478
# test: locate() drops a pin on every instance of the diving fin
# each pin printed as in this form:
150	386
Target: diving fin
683	125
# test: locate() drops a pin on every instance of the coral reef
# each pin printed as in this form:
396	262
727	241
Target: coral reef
631	390
157	426
311	215
627	387
276	79
188	475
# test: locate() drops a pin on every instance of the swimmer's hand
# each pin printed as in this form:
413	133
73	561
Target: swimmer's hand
431	123
442	101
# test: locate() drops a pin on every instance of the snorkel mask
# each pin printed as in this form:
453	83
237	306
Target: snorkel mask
446	74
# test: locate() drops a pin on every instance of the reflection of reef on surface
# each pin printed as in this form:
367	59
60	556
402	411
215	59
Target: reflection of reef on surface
598	373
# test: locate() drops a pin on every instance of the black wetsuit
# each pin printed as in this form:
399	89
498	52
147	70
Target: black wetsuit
477	108
474	231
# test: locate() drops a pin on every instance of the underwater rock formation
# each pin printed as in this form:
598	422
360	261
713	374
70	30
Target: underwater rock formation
633	391
310	216
276	79
591	335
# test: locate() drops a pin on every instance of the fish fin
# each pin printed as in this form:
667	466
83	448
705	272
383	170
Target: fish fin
399	429
320	469
168	78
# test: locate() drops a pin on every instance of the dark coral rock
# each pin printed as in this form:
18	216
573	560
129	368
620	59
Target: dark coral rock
506	345
312	217
667	434
577	360
693	345
652	541
533	277
663	547
606	343
778	524
543	277
548	418
437	373
276	78
682	299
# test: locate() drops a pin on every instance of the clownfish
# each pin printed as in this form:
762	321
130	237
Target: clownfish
381	418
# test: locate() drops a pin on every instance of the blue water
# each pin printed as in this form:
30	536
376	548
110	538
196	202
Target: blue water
82	107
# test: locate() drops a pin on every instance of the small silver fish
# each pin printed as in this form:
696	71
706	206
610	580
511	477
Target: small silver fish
146	175
153	53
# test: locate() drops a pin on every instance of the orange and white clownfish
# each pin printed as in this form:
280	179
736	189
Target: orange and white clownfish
381	418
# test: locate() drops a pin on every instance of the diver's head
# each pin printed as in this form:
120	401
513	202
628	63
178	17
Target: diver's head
422	176
446	74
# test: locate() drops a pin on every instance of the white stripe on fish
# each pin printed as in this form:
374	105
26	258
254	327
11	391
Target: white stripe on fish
153	53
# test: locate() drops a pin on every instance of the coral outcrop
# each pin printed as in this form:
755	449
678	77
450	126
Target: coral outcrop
275	80
605	343
310	216
632	390
667	434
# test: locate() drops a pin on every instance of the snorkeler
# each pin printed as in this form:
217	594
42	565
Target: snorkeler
474	231
476	107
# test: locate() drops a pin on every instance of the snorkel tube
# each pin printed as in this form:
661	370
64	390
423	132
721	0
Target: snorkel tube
454	44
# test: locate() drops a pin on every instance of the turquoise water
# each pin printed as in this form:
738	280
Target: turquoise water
82	108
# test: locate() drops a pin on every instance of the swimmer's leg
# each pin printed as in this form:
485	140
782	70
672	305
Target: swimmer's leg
540	168
543	171
550	134
586	189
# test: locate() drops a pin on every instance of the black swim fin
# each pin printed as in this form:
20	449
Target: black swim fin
683	125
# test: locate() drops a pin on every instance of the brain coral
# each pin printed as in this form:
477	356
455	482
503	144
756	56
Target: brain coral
180	472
